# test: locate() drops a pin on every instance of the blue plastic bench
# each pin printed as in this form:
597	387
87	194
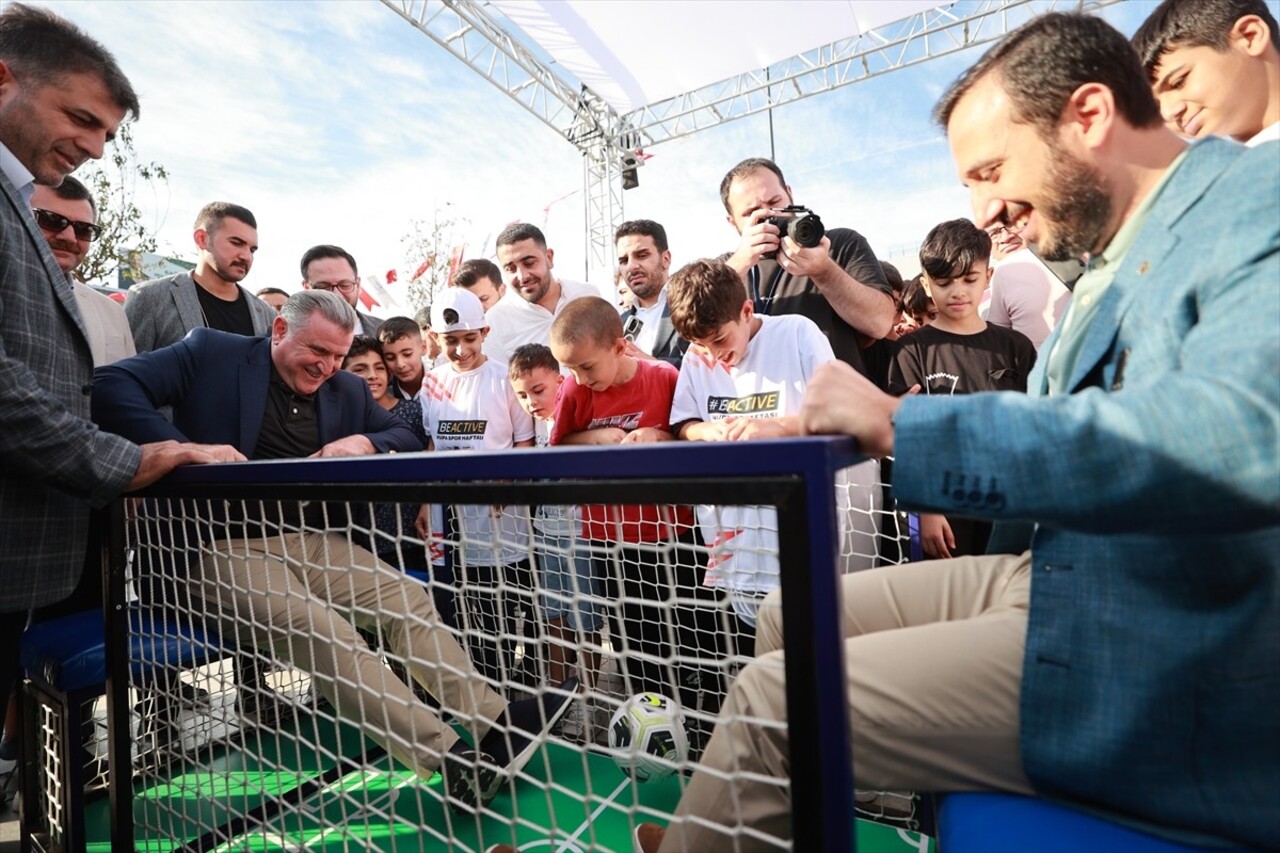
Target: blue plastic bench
994	823
65	661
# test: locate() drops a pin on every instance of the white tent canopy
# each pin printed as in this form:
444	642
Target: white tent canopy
633	55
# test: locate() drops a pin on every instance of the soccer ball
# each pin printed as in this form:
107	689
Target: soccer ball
647	736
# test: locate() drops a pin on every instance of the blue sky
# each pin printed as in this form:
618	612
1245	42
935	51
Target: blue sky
338	122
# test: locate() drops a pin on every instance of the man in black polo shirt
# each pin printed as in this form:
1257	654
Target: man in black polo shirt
285	582
837	284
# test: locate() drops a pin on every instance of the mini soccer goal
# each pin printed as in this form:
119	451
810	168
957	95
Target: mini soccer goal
449	651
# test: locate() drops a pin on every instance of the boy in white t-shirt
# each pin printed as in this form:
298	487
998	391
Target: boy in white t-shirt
745	379
468	406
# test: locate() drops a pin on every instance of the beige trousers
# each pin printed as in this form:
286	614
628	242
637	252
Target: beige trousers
298	595
933	657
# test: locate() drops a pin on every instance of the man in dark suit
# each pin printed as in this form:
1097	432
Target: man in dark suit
163	310
1121	653
271	579
54	463
644	265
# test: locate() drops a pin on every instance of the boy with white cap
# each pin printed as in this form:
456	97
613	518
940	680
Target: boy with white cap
468	405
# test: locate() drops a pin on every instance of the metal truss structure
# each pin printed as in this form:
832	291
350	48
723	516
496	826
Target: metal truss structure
606	138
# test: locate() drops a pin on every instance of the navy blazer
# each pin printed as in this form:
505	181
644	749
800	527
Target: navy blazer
217	384
1151	680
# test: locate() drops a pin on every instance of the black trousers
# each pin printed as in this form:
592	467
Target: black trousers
490	602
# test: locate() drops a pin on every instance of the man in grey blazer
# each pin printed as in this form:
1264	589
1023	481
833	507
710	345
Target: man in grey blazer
54	463
1122	653
163	310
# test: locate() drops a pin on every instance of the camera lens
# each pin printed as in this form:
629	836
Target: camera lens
806	230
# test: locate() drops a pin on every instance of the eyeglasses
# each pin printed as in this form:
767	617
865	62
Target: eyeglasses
347	286
1000	228
56	223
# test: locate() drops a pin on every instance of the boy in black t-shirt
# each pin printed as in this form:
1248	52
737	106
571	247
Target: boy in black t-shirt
958	353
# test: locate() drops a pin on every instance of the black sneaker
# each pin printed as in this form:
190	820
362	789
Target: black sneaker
471	777
517	733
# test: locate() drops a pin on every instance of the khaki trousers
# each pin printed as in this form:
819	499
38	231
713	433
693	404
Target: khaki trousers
933	656
298	595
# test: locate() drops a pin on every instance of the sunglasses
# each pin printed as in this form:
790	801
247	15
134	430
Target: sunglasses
56	223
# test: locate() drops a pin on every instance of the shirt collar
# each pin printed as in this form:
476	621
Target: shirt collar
19	175
1123	240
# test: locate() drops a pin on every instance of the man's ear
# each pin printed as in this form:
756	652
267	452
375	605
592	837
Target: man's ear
748	310
1088	117
279	326
1250	35
9	85
202	239
551	258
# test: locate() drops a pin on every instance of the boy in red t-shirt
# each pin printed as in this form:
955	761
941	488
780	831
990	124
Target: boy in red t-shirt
614	398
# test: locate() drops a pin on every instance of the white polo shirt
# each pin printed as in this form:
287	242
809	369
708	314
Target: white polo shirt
514	321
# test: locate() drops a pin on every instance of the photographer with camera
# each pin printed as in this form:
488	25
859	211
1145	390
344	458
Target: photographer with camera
791	265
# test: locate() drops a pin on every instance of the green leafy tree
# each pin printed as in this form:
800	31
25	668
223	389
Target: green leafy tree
115	181
428	245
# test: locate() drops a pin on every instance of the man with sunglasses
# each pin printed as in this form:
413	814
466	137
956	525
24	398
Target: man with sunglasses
66	214
163	310
333	268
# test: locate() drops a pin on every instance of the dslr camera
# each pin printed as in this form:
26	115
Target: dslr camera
800	224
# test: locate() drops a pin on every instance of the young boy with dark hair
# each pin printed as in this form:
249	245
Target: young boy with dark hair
745	379
959	353
1214	66
405	353
613	398
917	306
468	406
570	591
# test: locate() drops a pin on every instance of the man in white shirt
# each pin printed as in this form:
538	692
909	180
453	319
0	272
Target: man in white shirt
1025	295
644	259
1214	66
534	295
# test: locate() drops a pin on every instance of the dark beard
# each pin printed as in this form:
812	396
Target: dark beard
1079	208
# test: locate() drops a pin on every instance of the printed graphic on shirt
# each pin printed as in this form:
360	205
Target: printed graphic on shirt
435	389
762	405
941	383
625	422
461	429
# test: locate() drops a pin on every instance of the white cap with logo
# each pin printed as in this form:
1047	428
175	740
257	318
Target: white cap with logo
457	310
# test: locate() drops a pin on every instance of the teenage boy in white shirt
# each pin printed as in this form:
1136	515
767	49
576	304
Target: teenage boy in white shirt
744	379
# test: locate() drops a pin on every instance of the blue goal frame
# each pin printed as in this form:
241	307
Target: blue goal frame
794	475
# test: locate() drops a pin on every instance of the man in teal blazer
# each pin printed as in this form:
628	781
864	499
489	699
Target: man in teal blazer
1128	658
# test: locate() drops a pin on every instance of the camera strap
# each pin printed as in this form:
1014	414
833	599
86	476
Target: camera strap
763	301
